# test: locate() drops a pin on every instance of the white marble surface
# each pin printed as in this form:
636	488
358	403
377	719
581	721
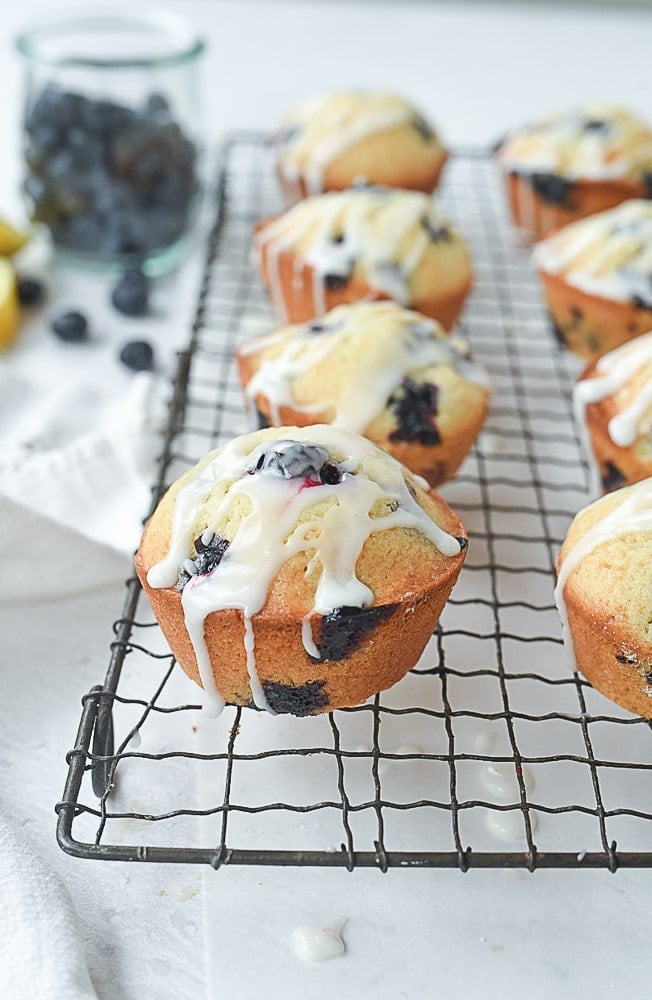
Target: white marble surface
476	68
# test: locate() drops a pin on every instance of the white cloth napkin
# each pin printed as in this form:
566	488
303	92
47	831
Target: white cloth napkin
41	953
72	498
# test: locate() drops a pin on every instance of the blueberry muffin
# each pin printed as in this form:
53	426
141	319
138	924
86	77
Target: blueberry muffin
613	407
332	142
574	164
597	279
368	243
298	570
376	369
604	595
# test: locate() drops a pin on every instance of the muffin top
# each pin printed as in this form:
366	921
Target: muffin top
621	382
608	551
346	366
280	518
375	234
314	133
608	254
595	142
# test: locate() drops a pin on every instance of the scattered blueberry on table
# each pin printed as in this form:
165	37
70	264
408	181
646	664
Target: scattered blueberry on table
131	294
30	291
71	327
138	355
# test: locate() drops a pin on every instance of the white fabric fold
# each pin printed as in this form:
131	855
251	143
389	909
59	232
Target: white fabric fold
71	506
41	952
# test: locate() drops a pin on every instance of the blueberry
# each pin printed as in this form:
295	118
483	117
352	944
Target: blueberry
330	474
30	291
415	406
295	460
596	125
422	128
437	231
335	282
210	548
552	189
131	295
345	629
612	478
157	105
640	303
138	355
301	699
71	327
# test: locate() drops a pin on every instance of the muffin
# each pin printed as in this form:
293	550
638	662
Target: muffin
332	142
597	279
298	570
612	401
571	165
604	595
368	243
376	369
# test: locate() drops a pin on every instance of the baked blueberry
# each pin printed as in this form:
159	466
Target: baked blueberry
131	294
422	128
335	282
302	700
552	189
345	629
70	326
611	477
138	355
294	460
415	406
210	548
437	231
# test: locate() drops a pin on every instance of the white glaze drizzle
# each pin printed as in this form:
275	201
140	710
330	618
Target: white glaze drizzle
608	254
562	145
314	943
509	824
394	342
499	778
321	129
377	231
271	532
612	372
632	515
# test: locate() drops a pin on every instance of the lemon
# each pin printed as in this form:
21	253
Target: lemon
10	239
8	304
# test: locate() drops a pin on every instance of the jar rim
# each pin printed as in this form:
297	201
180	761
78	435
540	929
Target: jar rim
31	43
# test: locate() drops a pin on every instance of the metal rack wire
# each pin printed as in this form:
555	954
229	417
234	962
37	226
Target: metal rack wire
492	735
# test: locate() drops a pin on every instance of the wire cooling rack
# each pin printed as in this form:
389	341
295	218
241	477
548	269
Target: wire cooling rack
493	751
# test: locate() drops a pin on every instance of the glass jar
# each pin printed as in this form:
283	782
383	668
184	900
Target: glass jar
112	136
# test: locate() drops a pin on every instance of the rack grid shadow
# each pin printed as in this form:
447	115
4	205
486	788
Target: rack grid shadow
493	751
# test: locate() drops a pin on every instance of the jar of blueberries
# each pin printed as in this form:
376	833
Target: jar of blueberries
112	136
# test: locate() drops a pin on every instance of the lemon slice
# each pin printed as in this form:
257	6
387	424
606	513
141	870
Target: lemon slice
8	304
10	239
